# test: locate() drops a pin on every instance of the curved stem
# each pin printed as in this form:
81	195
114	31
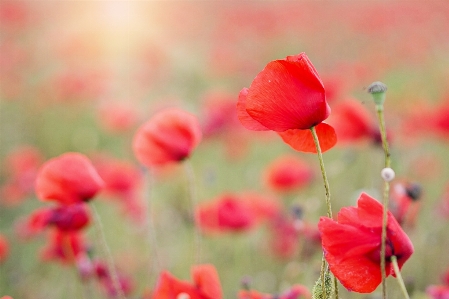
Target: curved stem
328	204
394	261
193	199
386	193
107	251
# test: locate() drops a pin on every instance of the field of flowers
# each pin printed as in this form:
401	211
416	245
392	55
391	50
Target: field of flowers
192	149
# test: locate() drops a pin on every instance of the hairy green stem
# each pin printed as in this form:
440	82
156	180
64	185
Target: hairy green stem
394	261
328	203
386	193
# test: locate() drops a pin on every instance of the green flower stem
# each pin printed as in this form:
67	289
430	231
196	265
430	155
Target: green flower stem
107	251
328	204
193	199
383	134
394	261
154	262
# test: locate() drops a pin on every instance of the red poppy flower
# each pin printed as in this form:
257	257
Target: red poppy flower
68	179
102	273
117	117
64	246
232	212
288	173
404	202
4	248
288	97
170	136
206	285
70	217
352	244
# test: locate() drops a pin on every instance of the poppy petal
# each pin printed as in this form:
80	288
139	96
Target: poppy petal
207	281
288	94
246	120
302	140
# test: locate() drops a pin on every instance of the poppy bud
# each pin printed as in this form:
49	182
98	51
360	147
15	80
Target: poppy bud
377	90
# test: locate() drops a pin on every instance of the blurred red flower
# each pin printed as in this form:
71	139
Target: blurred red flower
352	244
233	212
4	248
170	136
288	173
206	285
438	291
405	202
353	122
288	97
63	246
117	117
22	166
102	274
68	179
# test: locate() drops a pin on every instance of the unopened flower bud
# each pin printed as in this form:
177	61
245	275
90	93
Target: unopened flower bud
377	90
387	174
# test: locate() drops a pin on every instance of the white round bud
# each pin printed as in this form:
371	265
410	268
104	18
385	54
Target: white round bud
387	174
183	296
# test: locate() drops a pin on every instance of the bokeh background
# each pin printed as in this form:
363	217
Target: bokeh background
83	75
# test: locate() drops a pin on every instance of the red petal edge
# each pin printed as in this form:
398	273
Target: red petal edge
302	140
246	120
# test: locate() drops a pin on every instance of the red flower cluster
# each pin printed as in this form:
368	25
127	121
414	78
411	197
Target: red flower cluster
288	97
170	136
352	244
206	285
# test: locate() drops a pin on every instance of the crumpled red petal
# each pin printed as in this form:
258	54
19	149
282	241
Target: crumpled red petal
302	140
206	279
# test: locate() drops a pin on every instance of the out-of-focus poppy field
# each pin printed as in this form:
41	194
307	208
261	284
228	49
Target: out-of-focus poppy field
191	149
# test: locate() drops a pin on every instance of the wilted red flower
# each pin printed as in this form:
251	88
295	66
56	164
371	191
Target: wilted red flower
233	212
4	248
67	179
288	97
352	244
206	285
70	217
170	136
288	173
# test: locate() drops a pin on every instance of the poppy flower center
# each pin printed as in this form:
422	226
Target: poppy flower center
375	254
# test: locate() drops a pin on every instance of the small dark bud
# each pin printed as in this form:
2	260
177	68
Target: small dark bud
414	191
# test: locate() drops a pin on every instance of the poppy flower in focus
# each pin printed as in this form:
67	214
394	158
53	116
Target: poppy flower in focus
4	248
206	285
288	97
288	173
170	136
352	244
67	179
